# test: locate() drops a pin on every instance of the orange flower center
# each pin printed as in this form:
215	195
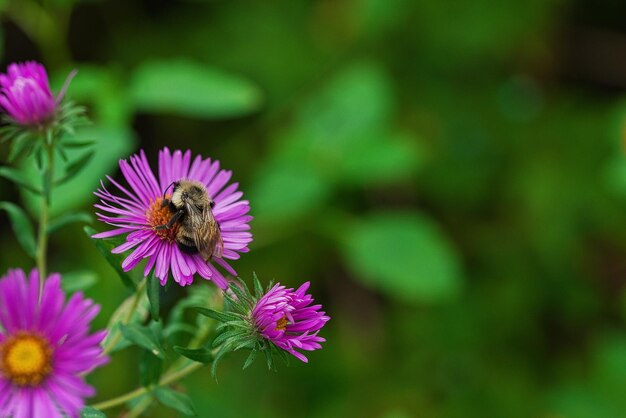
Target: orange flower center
25	359
159	214
282	323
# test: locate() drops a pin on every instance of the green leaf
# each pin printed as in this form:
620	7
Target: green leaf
284	191
250	359
75	167
16	177
154	295
105	246
68	218
91	412
150	368
192	90
258	288
78	280
218	316
201	355
22	227
143	337
175	400
405	255
111	143
21	145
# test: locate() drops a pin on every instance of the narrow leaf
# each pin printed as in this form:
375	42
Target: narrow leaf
201	355
105	247
78	280
176	400
18	178
22	227
218	316
75	167
250	359
150	368
258	288
153	289
69	218
143	337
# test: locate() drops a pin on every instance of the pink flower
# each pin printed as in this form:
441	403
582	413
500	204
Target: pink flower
45	350
287	319
26	96
139	211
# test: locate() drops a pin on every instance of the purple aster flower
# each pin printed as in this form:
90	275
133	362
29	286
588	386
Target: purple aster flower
26	96
141	210
45	349
287	319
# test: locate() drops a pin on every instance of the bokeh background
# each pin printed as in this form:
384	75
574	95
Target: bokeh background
450	175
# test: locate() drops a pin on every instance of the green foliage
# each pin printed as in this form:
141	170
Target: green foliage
201	355
75	281
192	89
22	227
144	337
176	400
405	255
104	247
154	289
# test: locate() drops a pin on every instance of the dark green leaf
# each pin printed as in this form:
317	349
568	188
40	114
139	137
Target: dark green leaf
218	316
21	145
154	295
191	89
143	337
250	359
404	254
91	412
104	247
18	178
77	144
150	368
22	227
78	280
225	349
258	288
201	355
68	218
175	400
75	167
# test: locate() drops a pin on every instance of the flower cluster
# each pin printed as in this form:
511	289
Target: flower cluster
186	218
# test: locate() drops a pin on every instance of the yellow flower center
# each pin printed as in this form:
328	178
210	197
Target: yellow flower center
158	214
282	323
25	359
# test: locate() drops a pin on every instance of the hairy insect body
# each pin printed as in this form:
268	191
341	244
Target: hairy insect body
198	231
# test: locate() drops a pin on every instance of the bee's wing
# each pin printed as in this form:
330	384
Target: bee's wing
206	232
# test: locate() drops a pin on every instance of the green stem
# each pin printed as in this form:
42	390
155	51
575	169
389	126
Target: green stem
113	340
167	379
42	235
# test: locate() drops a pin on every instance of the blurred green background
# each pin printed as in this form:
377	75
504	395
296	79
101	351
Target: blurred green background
451	176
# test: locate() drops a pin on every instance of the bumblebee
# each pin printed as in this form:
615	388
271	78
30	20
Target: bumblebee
198	231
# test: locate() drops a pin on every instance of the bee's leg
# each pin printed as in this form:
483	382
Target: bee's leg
171	222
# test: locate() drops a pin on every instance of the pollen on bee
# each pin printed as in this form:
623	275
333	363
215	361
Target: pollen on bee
159	214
